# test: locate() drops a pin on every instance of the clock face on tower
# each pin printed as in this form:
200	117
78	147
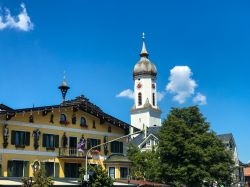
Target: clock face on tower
139	86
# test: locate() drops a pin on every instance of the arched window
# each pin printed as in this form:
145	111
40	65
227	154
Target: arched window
83	122
153	98
139	99
63	118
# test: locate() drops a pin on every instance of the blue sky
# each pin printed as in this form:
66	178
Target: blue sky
97	43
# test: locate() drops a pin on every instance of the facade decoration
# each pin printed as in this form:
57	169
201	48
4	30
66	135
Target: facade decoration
36	134
105	139
5	136
51	118
35	165
64	140
31	118
81	144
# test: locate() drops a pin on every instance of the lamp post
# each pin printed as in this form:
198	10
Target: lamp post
86	178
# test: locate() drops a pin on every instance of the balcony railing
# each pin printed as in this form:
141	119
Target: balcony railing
71	152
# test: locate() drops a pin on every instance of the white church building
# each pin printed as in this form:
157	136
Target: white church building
145	113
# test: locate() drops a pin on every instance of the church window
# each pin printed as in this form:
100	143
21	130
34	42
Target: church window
139	99
153	97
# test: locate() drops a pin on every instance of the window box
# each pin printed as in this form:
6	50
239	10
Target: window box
64	122
20	146
50	148
84	125
95	152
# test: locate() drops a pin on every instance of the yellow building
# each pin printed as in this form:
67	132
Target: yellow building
57	137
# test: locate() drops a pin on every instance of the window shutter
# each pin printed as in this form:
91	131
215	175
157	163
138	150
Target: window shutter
88	143
112	147
43	167
98	143
27	138
26	168
56	170
13	137
1	170
121	147
10	168
56	140
44	140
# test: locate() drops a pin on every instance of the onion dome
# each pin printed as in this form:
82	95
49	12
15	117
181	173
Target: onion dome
144	66
64	88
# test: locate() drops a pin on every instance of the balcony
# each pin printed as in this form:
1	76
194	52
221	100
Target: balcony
71	153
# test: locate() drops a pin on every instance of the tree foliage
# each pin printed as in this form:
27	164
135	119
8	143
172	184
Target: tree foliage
145	164
39	179
98	177
190	153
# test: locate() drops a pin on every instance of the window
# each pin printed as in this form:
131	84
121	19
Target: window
139	99
63	118
20	138
74	119
50	141
116	147
71	170
83	122
153	97
94	124
17	168
93	142
123	172
112	172
49	169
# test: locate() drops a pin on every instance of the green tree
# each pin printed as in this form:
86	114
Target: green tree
190	153
99	177
39	179
146	165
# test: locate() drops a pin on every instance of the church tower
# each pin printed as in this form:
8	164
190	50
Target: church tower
145	112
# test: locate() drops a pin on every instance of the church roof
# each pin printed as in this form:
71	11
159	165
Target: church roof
79	103
141	137
144	66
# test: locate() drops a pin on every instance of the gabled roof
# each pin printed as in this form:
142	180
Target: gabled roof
79	103
141	137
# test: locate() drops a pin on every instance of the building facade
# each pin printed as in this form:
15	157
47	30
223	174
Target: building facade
57	138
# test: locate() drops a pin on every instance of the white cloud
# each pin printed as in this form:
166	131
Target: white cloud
181	84
160	96
200	99
21	22
126	93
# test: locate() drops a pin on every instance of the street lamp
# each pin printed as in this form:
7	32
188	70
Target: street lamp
86	178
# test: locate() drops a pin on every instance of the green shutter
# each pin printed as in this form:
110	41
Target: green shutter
56	170
13	137
98	143
10	168
43	167
88	143
44	140
27	138
1	170
121	147
26	168
56	140
112	147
